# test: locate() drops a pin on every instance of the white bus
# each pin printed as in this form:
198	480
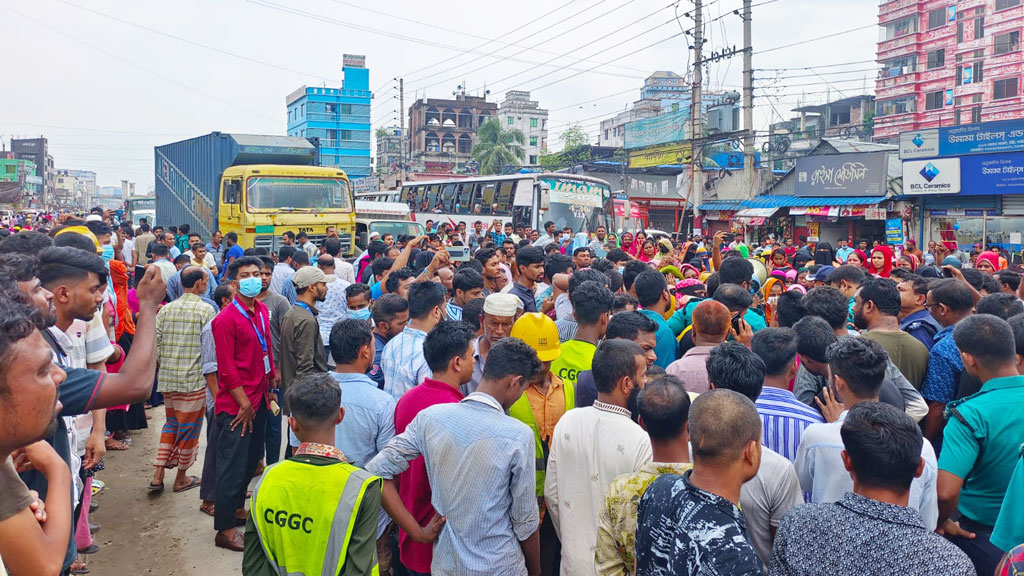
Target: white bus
579	202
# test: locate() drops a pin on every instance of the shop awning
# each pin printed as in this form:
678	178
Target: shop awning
722	206
806	201
756	213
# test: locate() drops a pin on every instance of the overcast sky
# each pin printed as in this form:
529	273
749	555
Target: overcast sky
106	80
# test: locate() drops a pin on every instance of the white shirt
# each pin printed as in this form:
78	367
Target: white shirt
344	271
281	273
590	447
819	465
126	252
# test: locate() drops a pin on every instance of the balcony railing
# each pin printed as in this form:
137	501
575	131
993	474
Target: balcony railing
352	118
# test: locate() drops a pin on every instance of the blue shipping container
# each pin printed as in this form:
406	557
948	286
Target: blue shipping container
188	172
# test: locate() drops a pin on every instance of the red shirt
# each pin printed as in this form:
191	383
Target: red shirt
240	355
413	484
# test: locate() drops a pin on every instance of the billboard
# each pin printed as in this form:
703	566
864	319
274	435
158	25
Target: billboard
670	154
842	175
936	176
993	174
661	129
983	138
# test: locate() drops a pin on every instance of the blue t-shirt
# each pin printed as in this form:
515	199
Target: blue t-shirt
376	291
667	347
233	253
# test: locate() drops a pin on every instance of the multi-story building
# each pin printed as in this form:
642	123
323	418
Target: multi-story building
74	187
337	119
18	179
442	132
844	119
36	150
392	150
525	115
945	63
665	84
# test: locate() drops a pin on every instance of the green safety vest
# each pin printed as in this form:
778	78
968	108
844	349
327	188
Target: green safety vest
304	515
521	411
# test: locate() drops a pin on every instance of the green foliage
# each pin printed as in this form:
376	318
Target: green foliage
497	147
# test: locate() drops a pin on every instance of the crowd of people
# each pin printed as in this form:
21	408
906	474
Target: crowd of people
562	402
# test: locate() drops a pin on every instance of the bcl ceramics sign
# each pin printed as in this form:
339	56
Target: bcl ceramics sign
841	175
936	176
983	138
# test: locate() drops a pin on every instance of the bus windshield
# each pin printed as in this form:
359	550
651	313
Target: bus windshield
299	194
577	204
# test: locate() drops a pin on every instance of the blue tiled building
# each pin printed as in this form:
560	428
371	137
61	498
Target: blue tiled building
338	117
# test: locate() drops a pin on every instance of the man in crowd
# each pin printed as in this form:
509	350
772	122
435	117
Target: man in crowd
591	447
654	298
402	358
664	407
467	285
877	303
160	254
857	369
492	531
530	263
245	365
142	243
591	309
233	252
847	279
283	270
541	406
949	302
223	296
390	315
981	440
334	307
632	326
711	326
784	417
339	504
915	319
497	319
775	489
691	523
302	346
179	326
216	248
171	244
277	307
881	450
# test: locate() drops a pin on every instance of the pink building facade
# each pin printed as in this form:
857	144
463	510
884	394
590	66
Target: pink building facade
946	63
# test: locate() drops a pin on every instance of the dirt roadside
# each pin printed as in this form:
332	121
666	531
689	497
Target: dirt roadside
161	535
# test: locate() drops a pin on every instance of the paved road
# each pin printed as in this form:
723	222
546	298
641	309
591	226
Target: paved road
162	535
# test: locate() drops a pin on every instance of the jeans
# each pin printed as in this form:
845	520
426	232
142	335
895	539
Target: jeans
982	553
237	457
273	434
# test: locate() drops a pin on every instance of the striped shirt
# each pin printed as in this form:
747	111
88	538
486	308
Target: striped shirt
179	326
783	419
403	363
484	526
453	311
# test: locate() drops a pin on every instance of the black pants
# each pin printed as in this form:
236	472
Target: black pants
982	553
208	489
237	457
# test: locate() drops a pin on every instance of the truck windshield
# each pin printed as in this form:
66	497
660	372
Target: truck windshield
282	193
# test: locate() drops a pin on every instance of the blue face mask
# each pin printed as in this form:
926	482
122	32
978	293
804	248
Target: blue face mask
250	287
107	253
361	314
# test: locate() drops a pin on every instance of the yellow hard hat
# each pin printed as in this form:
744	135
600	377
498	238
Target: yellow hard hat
540	333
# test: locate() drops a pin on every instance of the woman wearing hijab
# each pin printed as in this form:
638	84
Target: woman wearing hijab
824	255
857	258
773	287
987	263
909	261
689	271
881	261
779	261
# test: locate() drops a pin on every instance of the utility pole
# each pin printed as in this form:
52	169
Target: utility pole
402	146
696	122
749	172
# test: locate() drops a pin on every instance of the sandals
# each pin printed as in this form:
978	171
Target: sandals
193	482
156	488
115	445
207	509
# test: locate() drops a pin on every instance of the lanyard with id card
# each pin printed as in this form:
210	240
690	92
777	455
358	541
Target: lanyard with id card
259	335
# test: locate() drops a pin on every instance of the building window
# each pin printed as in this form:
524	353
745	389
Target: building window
344	134
346	108
979	27
1002	89
1006	43
937	58
533	140
302	109
533	122
933	100
976	115
533	159
937	18
970	74
1004	4
511	120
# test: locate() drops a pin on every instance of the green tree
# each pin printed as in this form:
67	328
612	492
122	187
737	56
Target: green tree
497	147
575	146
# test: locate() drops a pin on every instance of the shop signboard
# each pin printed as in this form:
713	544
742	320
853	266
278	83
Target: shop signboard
936	176
874	213
661	129
993	174
894	232
670	154
983	138
841	175
812	231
